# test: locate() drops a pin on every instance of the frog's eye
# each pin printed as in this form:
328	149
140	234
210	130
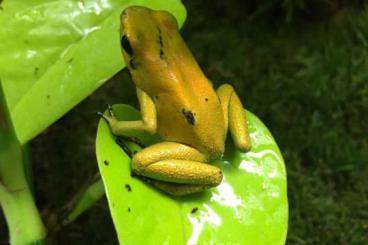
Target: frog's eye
126	45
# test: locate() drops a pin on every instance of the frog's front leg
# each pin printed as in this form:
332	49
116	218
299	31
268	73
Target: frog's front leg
176	168
235	117
147	124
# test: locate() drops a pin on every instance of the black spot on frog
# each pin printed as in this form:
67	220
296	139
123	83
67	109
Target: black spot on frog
189	116
160	41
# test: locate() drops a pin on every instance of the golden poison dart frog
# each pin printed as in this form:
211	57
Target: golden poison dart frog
178	103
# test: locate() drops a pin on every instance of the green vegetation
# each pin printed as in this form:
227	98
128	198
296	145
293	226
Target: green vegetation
304	75
259	198
46	67
308	82
16	199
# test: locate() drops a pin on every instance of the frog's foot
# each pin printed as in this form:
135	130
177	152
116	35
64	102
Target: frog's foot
110	110
176	168
110	118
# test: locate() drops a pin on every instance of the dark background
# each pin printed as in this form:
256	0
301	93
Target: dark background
301	66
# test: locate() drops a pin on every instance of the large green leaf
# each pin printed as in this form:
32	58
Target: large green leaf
55	53
249	207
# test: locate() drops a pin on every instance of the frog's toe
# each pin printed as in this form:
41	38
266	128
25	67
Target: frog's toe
110	120
106	118
100	114
110	110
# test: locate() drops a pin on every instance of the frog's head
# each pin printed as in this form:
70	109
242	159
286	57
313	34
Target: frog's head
142	36
152	46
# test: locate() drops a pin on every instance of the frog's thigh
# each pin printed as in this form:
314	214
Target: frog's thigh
177	163
235	117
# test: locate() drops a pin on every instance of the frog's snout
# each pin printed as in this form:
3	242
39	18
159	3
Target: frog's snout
124	14
134	10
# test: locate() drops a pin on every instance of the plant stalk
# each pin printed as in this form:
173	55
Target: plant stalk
84	200
16	200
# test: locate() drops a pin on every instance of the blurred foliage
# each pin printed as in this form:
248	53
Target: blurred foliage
308	82
304	75
284	10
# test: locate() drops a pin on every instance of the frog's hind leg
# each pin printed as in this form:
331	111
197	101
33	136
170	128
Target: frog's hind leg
235	117
176	168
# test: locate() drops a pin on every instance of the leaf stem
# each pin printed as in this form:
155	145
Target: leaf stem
16	200
84	200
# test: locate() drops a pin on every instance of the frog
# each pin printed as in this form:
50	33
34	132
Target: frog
178	103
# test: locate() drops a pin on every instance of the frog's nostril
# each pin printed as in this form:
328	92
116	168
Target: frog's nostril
123	14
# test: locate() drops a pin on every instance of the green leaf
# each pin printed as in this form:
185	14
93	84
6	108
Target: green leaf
55	53
249	207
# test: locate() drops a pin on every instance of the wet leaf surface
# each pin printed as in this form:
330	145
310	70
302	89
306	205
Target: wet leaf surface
250	206
53	54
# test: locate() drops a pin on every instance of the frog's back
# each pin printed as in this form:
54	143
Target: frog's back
188	109
192	116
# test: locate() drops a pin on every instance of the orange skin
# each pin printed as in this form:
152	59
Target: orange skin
178	103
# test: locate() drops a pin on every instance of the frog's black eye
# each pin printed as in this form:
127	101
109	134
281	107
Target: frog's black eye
126	45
